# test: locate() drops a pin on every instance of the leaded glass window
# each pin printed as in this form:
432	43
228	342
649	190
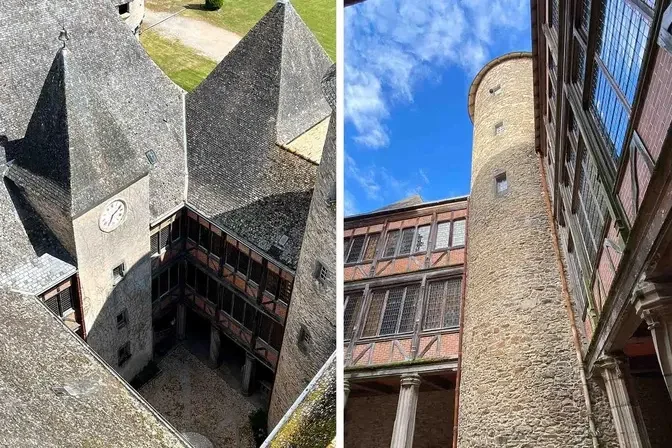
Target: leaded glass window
442	235
408	312
391	244
442	308
373	315
356	249
353	304
391	311
458	232
422	238
371	244
392	308
406	241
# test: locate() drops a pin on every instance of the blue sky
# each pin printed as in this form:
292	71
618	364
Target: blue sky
408	67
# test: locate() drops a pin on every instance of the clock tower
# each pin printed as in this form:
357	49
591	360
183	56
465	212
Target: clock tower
90	186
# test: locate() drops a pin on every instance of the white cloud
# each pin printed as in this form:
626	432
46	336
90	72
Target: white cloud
392	44
350	204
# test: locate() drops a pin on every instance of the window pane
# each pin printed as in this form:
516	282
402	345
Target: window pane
373	316
163	283
250	313
155	289
406	241
174	276
434	303
231	255
285	290
193	229
243	263
204	238
164	235
272	282
66	300
175	229
408	312
391	314
458	232
227	300
371	245
238	309
216	245
346	247
213	288
442	235
255	271
452	312
422	239
154	243
356	249
391	244
352	306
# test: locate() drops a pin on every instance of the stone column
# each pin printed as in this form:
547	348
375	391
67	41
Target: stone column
181	322
248	374
654	305
625	409
215	345
404	423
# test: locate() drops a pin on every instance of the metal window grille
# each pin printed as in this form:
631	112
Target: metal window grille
373	315
392	309
65	299
164	237
433	307
353	304
458	232
371	244
356	249
580	54
154	243
52	304
391	244
406	241
408	311
442	235
451	314
422	238
584	19
554	13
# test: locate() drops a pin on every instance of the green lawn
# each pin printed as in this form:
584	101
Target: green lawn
182	64
240	15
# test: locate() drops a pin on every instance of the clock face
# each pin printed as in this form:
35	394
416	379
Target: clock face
112	216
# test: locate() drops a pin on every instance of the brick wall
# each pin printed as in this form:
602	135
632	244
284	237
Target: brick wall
519	362
369	420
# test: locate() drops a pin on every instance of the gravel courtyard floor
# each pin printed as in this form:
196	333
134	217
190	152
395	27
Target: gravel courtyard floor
195	398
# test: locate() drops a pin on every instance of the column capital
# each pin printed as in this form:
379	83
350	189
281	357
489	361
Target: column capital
410	379
612	363
653	302
346	386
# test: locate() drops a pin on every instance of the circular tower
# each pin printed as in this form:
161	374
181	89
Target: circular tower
520	378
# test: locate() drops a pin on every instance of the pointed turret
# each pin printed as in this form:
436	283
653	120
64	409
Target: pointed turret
74	154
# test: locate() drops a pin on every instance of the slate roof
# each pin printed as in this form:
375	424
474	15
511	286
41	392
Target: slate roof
415	199
264	93
109	79
36	276
56	391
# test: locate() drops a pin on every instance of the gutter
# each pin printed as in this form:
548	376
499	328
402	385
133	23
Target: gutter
458	379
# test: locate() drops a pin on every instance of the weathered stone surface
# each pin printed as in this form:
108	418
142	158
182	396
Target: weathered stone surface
520	383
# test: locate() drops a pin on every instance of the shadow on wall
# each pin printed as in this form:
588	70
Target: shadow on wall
267	219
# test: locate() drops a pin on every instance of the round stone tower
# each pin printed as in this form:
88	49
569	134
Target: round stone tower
520	379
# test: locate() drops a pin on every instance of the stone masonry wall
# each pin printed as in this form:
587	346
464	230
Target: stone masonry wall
520	384
98	253
313	303
369	420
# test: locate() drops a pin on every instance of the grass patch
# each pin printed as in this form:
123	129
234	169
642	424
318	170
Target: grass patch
239	16
180	63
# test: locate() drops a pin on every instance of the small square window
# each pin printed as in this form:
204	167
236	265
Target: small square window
499	128
501	183
123	354
122	319
321	273
118	273
496	90
124	9
151	157
304	339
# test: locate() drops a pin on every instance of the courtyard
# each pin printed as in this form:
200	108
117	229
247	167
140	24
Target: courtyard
197	399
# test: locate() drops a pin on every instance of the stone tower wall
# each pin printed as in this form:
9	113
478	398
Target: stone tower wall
520	384
313	303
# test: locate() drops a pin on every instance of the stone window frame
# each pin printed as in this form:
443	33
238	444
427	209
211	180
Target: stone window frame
124	354
321	274
118	273
499	128
497	90
122	319
500	178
